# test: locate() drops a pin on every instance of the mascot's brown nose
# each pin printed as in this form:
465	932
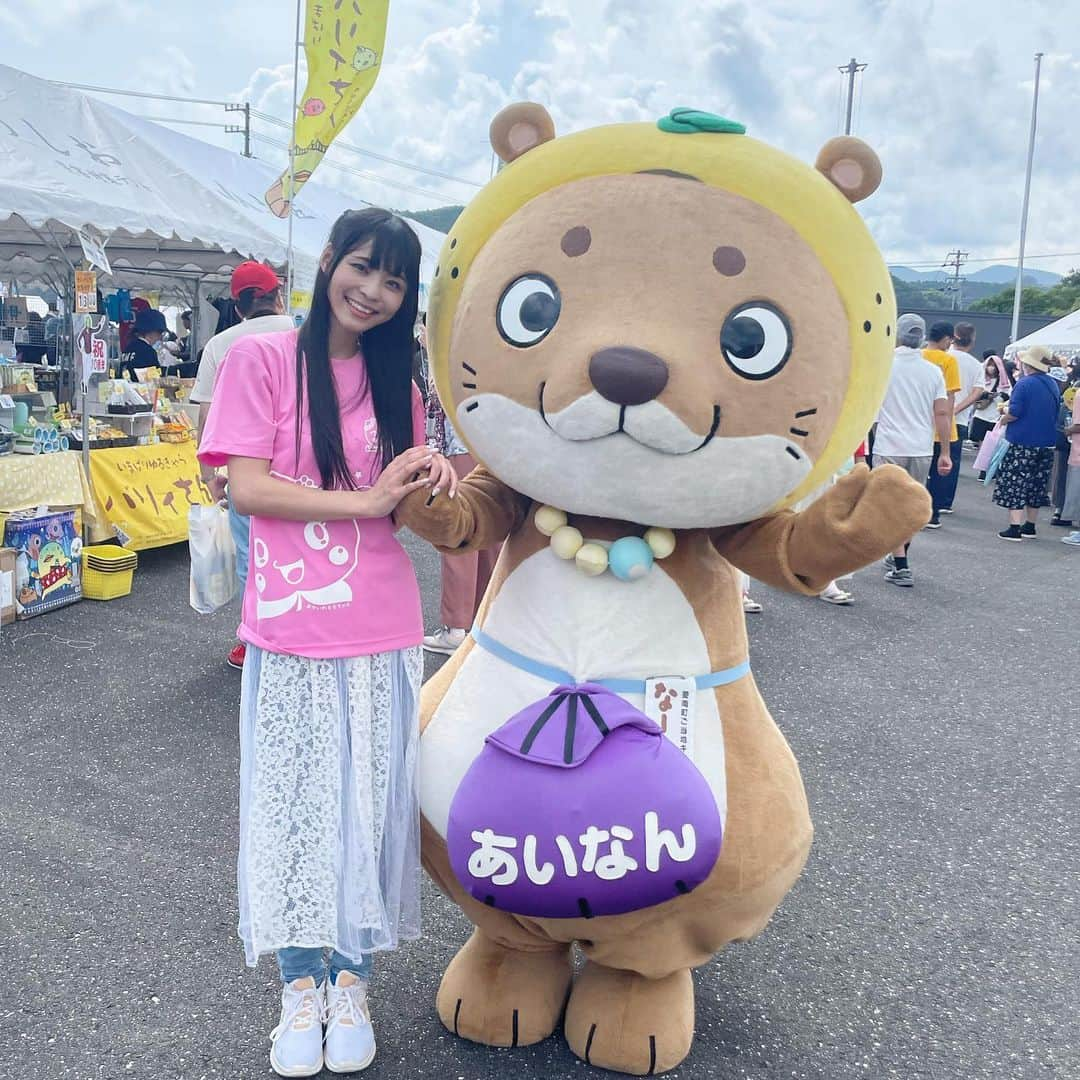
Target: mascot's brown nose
628	376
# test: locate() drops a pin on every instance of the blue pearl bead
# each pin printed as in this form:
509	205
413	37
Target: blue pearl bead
630	558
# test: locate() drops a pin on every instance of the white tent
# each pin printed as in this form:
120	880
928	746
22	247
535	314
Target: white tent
1063	336
166	203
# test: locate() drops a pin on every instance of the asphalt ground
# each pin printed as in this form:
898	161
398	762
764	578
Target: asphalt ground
933	933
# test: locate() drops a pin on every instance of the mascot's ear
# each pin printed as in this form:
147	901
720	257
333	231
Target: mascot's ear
520	128
851	165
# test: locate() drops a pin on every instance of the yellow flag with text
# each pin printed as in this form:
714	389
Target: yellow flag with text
343	43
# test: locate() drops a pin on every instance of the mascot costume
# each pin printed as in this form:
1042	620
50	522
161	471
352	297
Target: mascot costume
656	338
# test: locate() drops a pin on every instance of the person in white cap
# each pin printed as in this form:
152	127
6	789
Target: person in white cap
916	406
257	292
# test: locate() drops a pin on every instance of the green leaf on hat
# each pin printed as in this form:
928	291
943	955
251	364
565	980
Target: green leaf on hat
695	121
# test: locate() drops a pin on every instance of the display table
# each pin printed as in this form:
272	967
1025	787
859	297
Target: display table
145	492
54	480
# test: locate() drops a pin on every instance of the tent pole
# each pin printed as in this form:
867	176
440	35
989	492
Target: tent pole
297	42
1019	289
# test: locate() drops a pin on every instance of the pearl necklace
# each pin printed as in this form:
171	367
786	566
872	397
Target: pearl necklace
628	558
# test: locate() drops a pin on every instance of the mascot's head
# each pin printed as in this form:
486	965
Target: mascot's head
671	324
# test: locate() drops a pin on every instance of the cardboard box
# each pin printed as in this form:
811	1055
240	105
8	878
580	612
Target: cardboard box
7	585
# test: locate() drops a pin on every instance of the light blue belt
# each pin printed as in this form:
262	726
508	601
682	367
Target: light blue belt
558	677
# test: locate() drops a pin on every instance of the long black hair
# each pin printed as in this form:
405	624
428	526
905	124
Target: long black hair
387	348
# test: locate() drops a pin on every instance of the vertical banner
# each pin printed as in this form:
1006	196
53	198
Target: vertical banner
343	43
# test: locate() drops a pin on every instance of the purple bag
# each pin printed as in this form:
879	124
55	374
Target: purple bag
580	806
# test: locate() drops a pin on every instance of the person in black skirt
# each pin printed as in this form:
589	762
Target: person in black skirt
1024	474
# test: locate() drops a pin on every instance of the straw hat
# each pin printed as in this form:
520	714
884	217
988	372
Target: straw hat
1039	358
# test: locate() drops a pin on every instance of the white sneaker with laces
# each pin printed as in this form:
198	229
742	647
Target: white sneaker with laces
297	1048
445	641
350	1038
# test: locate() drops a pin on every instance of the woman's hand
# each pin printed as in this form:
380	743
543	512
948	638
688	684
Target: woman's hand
398	479
443	477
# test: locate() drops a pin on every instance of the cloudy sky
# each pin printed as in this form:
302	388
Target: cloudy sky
945	100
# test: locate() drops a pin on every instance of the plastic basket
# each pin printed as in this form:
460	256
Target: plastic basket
107	571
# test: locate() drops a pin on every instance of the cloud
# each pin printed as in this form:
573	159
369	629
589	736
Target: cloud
945	100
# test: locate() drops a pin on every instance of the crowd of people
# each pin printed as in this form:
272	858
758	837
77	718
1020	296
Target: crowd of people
1017	415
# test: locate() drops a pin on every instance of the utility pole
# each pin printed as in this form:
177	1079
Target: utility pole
233	129
1019	289
850	69
956	260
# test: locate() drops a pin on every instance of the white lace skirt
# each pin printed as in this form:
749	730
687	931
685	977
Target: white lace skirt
329	811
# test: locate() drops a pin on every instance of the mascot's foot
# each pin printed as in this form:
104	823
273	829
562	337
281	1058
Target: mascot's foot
622	1021
503	997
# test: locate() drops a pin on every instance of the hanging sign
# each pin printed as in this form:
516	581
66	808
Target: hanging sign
85	292
93	246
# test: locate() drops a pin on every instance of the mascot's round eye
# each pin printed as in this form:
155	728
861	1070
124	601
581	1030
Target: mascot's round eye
756	340
528	309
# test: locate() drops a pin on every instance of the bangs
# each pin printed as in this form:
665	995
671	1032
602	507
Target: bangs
395	249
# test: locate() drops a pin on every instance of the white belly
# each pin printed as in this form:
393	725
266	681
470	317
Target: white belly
594	628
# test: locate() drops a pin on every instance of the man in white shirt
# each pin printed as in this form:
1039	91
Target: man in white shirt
916	405
257	292
971	389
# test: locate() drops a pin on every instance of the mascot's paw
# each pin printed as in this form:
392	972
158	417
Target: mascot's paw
622	1021
862	517
503	997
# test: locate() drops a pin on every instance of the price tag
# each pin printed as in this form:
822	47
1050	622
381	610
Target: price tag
85	292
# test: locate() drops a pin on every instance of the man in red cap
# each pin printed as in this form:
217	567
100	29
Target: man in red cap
257	292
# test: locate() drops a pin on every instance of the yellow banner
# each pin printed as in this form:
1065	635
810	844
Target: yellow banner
145	492
343	43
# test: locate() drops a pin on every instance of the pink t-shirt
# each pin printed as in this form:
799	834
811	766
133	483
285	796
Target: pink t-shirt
320	589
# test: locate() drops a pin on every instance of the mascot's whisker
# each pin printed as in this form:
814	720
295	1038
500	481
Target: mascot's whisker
471	370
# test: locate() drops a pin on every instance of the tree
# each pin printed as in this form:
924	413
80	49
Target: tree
1059	299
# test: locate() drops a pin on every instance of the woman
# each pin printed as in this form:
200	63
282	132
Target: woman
998	387
323	433
1031	430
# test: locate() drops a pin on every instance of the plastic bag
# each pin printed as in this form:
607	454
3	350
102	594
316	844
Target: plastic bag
213	558
989	445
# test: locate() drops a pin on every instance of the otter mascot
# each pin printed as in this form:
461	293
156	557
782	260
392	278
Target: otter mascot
655	338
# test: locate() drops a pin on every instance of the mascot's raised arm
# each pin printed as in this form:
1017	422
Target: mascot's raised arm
655	338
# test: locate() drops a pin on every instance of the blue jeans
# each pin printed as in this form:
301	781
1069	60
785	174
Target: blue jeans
296	963
240	527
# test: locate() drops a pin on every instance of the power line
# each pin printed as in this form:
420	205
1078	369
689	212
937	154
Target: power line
140	94
1005	259
392	184
339	142
270	119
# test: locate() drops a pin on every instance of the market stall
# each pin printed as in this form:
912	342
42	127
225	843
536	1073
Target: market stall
1062	337
89	187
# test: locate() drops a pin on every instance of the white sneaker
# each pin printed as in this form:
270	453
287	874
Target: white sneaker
350	1038
298	1039
445	641
750	606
